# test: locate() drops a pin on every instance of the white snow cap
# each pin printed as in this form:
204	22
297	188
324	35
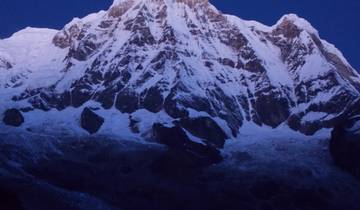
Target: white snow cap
119	1
116	2
298	21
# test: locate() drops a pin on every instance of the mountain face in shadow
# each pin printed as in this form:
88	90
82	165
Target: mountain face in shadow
171	104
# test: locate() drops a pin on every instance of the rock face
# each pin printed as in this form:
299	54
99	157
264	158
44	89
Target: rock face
188	153
13	117
345	145
91	121
184	57
5	64
205	128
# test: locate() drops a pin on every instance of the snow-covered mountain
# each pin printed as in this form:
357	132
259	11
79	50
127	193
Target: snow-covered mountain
175	62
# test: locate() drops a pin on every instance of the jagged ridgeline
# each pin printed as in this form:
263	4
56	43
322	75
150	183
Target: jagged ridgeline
176	63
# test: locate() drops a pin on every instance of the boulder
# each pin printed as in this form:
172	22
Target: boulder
90	121
153	100
189	153
345	145
13	117
205	128
127	102
272	110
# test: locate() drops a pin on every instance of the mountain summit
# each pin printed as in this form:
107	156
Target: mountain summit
175	63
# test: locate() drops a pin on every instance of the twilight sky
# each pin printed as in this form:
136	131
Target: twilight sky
338	21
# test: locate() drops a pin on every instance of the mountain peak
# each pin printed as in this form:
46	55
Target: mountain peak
178	59
299	22
190	2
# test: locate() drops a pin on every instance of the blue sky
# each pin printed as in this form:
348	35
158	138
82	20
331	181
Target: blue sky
338	21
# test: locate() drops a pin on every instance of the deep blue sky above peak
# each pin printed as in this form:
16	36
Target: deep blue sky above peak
338	21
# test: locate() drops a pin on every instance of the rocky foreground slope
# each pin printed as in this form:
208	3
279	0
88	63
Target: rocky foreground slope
281	171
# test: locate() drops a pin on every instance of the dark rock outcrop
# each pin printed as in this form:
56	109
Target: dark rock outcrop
345	145
13	117
127	102
271	110
5	64
153	101
205	128
91	121
189	154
